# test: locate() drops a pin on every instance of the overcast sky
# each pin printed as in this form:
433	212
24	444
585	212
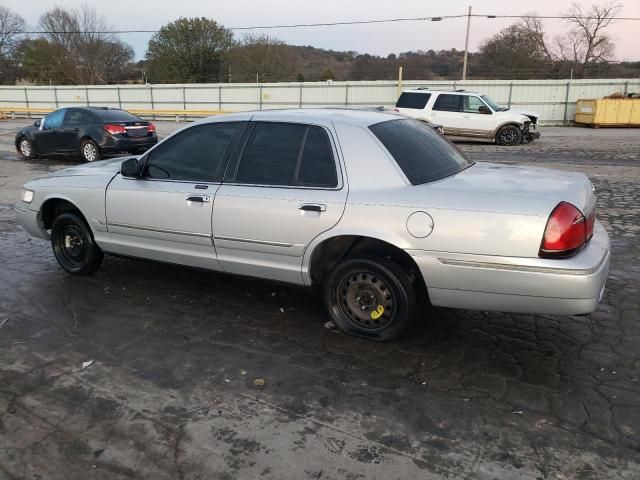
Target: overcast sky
380	39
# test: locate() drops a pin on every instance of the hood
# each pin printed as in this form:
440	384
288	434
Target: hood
526	113
517	186
101	167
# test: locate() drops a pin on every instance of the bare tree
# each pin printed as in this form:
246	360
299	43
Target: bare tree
536	34
11	26
268	57
586	42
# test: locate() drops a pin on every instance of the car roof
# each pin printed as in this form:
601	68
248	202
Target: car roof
322	116
428	90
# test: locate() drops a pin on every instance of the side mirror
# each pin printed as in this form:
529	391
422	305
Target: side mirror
129	168
37	123
484	109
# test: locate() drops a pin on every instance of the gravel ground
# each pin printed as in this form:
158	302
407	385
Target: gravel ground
172	391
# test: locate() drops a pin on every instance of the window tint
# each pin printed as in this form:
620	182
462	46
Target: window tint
473	104
447	103
422	154
317	166
115	115
271	154
53	120
76	117
194	154
413	100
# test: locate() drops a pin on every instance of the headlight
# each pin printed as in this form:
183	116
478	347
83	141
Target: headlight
27	195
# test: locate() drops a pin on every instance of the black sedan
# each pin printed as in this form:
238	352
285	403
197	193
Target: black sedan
89	131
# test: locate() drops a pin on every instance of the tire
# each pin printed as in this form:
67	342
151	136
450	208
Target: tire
89	151
26	148
370	298
73	245
509	135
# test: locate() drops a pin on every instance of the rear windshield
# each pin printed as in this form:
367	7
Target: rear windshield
116	116
422	154
413	100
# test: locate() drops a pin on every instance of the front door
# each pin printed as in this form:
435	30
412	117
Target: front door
166	214
47	138
475	123
281	189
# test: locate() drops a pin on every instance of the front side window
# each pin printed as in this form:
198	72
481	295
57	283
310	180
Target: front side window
287	154
422	154
53	120
413	100
473	104
195	154
494	106
448	103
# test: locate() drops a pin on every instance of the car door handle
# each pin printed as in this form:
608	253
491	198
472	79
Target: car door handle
198	198
313	207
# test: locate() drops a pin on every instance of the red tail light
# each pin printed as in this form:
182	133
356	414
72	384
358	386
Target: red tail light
114	129
396	110
151	128
566	232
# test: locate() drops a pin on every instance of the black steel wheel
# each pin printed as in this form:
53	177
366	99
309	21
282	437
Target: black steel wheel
89	151
26	148
371	298
73	245
509	135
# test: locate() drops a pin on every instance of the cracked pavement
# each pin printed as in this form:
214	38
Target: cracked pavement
176	351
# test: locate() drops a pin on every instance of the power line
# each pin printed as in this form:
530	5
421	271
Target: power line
344	23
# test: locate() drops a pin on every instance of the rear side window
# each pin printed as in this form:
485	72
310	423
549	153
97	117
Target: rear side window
287	154
448	103
413	100
78	117
115	115
422	154
194	154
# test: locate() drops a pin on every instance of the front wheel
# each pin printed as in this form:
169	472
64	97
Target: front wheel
26	148
73	245
509	135
371	298
89	151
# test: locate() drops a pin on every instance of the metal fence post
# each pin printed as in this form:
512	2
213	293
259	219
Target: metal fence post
626	88
346	94
566	105
219	97
86	95
260	95
300	96
55	96
184	98
510	92
153	115
26	100
119	99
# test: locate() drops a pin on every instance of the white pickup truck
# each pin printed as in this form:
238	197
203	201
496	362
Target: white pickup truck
469	115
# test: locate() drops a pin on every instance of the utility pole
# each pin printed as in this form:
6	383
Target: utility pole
466	46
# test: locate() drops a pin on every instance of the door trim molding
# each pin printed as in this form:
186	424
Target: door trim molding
158	230
250	240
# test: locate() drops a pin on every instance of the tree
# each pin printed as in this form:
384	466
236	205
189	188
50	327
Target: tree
92	55
188	50
327	75
268	57
586	42
11	27
45	62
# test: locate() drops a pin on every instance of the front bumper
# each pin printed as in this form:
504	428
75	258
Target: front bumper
30	221
569	286
528	135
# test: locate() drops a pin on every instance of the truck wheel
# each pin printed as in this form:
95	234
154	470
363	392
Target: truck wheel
73	245
89	151
509	135
370	298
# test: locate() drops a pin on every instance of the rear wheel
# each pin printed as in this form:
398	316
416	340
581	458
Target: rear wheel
89	151
371	298
26	148
509	135
73	245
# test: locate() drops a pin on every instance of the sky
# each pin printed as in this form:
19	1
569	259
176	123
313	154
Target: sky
378	39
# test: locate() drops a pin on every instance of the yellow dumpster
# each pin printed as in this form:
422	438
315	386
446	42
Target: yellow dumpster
609	112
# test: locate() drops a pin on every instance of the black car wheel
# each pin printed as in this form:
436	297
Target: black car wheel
371	298
509	135
89	151
73	245
26	148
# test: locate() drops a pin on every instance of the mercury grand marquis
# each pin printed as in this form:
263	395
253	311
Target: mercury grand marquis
377	210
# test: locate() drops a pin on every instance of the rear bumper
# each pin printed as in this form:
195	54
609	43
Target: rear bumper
520	285
112	144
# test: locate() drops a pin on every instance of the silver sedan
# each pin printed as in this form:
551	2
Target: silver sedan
378	210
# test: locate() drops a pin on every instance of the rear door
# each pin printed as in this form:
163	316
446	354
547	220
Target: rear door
282	189
75	119
166	214
447	111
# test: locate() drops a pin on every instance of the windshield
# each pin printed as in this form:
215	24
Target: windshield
493	104
422	154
